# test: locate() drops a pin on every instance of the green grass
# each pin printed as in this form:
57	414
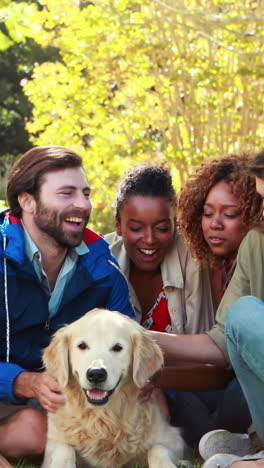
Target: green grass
197	462
25	465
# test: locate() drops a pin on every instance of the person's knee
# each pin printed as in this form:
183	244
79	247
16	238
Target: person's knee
242	315
24	433
36	423
4	463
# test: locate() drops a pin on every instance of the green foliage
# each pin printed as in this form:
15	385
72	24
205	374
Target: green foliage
19	54
2	205
168	82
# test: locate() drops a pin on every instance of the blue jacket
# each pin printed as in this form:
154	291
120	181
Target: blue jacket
25	328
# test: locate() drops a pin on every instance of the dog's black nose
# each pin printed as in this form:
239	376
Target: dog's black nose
96	374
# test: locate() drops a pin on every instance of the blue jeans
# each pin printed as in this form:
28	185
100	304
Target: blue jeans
200	412
244	330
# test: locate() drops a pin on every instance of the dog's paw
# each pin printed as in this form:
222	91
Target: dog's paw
163	464
160	456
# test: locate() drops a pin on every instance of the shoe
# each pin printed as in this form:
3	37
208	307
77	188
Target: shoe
220	460
221	441
225	460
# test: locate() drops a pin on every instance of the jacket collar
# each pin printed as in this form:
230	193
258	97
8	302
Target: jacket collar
12	228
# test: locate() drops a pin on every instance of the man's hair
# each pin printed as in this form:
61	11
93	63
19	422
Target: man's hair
257	167
28	172
148	181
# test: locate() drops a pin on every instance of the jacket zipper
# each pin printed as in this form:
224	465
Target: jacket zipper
47	325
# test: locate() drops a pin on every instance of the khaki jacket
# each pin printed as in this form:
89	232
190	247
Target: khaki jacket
247	280
187	286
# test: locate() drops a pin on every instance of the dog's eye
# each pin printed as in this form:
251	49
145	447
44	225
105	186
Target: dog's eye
117	347
82	345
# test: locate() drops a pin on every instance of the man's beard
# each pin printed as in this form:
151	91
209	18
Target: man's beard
51	222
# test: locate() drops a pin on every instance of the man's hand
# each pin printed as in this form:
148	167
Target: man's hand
146	391
42	386
162	403
161	400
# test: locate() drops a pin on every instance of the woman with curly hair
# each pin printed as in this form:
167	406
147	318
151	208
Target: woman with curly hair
217	207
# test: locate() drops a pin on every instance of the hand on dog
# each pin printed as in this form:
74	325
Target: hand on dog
162	403
47	392
146	393
43	387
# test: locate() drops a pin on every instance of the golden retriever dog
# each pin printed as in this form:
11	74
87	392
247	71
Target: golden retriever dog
101	362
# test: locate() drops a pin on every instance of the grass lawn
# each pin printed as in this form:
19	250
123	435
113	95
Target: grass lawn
25	465
197	463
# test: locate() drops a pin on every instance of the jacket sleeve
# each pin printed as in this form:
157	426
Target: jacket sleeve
119	298
8	374
8	371
191	303
199	303
239	286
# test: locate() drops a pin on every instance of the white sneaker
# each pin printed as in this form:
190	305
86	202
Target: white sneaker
220	460
224	460
221	441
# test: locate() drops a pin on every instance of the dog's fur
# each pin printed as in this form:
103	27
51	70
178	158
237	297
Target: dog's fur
107	352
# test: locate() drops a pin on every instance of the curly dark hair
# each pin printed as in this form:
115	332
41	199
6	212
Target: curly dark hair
235	170
149	181
257	167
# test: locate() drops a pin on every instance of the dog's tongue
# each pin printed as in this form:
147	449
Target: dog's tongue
96	394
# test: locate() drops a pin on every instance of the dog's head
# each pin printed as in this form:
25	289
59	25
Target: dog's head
102	351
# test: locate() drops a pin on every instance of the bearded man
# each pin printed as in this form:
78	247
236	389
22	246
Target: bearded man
53	269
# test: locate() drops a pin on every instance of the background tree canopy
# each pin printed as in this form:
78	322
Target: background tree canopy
18	55
162	81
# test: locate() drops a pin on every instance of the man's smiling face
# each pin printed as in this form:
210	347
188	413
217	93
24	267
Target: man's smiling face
63	206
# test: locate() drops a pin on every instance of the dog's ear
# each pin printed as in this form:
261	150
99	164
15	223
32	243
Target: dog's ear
147	358
56	357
